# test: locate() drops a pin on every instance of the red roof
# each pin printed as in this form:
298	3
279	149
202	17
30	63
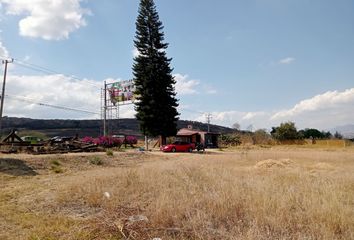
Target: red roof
188	132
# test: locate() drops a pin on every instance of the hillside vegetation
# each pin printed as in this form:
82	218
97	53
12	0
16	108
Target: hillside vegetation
60	127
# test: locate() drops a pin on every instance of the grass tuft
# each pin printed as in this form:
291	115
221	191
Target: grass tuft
96	160
56	166
109	152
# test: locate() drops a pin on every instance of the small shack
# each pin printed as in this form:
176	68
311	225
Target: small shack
206	139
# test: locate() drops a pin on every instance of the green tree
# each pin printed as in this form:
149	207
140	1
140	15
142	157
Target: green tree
156	104
286	131
312	133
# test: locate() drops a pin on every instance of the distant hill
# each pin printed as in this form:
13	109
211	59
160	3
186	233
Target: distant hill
347	131
60	127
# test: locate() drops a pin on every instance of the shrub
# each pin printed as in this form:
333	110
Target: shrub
55	162
96	160
109	152
261	137
55	166
230	139
104	141
131	140
88	140
108	141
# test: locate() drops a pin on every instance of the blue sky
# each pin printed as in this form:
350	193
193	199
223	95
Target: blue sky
255	62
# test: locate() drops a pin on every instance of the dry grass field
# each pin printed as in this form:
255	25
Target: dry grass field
258	193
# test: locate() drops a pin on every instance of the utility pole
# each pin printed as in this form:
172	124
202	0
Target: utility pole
3	90
208	117
118	130
105	110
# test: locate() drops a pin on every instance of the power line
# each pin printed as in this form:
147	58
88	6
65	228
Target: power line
28	100
192	111
46	70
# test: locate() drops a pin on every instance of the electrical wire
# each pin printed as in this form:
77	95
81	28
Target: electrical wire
192	111
46	70
28	100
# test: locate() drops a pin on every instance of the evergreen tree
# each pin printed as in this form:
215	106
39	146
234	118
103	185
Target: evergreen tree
157	104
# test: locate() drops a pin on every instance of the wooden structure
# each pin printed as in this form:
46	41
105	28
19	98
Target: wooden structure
14	144
13	139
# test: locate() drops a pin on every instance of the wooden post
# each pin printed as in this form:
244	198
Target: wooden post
146	143
162	140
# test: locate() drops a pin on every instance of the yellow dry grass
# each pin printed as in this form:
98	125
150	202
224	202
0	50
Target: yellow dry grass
270	163
273	193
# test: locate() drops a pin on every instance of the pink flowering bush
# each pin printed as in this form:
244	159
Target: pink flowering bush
88	140
104	141
131	140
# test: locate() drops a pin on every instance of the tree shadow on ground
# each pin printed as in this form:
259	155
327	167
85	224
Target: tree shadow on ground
16	167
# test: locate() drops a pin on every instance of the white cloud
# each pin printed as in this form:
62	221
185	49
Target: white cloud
25	92
135	53
60	90
225	118
185	86
287	60
3	51
253	115
324	111
328	100
47	19
127	111
56	90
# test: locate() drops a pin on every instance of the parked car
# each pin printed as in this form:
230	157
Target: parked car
178	146
31	139
59	139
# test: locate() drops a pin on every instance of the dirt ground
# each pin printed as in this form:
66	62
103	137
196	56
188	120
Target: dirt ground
96	196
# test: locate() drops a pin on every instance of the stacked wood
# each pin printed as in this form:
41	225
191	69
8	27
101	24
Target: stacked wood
14	144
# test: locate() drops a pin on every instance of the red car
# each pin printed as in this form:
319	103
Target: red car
178	146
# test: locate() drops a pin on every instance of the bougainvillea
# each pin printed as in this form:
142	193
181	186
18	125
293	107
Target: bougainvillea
131	140
104	141
87	140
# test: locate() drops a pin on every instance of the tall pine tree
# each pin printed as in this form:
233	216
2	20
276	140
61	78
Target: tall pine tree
157	104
